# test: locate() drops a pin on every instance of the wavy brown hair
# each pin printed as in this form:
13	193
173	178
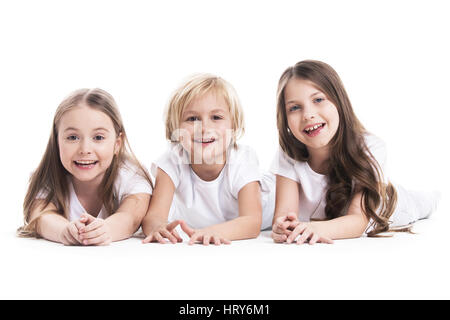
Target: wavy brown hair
50	177
351	166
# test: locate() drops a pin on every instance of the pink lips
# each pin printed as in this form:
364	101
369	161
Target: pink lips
85	166
314	132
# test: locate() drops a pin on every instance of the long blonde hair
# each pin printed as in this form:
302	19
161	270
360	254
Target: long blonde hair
351	167
50	177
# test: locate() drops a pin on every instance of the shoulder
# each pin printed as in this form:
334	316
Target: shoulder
243	154
377	148
373	142
132	179
174	162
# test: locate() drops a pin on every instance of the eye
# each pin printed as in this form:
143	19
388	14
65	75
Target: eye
318	100
99	138
294	108
193	118
215	117
72	137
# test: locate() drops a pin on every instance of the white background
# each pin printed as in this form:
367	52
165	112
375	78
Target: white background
393	57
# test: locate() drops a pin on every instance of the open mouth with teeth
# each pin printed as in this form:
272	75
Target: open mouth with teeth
314	130
85	164
205	142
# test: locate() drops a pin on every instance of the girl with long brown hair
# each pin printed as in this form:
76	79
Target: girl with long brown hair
89	188
329	169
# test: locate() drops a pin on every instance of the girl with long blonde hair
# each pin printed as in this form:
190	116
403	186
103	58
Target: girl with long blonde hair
89	188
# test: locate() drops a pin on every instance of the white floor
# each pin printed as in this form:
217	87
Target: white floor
404	266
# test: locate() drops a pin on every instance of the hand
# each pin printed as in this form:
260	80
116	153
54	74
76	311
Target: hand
70	234
164	231
96	232
203	235
308	233
283	227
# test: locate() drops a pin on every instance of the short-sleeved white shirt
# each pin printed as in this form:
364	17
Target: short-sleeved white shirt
128	182
204	203
313	186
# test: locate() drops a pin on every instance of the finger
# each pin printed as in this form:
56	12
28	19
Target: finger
188	230
194	238
92	234
315	237
148	239
159	238
173	225
291	216
206	239
95	241
225	241
86	218
298	230
293	224
280	220
79	224
73	232
176	235
326	240
216	240
278	237
97	223
166	234
304	237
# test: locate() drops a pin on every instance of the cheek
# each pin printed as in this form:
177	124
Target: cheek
333	118
184	134
66	152
293	122
105	151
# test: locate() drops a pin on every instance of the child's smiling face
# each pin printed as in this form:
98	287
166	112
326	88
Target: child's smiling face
206	129
312	118
87	143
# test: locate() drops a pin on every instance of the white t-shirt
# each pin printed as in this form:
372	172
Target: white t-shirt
313	186
411	205
128	182
204	203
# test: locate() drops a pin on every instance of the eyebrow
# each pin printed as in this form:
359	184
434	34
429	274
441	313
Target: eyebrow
96	129
212	111
312	95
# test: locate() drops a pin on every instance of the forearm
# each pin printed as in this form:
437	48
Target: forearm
346	227
123	225
153	220
245	227
50	226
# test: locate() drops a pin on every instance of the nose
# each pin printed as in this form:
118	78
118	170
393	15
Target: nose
309	113
201	127
85	146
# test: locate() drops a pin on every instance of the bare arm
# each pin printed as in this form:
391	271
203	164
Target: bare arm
155	225
352	225
128	216
286	198
53	226
158	211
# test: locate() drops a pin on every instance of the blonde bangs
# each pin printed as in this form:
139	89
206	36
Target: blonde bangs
197	86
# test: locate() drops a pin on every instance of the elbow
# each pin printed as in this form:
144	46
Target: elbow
255	228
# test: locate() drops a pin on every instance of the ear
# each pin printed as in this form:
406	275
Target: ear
118	144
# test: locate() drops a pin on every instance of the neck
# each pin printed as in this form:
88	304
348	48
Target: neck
208	172
87	188
318	159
